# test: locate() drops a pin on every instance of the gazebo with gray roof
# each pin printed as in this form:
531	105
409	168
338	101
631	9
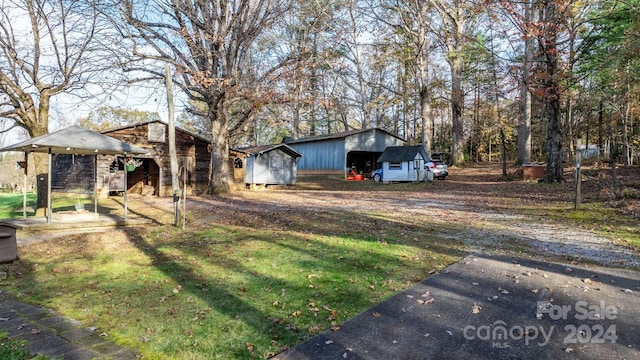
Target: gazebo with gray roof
79	141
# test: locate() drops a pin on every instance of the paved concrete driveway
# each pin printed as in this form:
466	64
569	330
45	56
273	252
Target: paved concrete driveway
496	308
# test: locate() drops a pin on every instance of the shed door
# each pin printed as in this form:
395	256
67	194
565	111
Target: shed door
415	170
276	168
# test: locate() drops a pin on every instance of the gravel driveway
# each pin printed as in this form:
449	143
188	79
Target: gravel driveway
470	207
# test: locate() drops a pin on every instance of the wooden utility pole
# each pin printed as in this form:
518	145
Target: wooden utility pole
578	187
173	156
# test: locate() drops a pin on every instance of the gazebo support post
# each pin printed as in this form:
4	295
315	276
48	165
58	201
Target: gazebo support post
126	175
49	188
95	184
24	187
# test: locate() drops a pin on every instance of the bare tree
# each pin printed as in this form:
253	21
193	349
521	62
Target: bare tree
454	29
206	43
46	48
524	118
348	30
414	21
548	41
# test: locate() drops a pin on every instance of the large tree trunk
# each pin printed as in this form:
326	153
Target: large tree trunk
457	103
601	135
425	114
422	60
524	120
296	121
555	169
219	165
38	123
626	155
456	18
524	133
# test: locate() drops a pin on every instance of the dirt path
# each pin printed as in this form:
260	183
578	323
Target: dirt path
472	206
501	217
487	215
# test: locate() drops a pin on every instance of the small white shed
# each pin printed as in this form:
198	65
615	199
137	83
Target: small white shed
403	163
271	165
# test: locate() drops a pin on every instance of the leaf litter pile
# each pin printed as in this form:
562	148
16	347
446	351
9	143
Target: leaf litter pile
256	272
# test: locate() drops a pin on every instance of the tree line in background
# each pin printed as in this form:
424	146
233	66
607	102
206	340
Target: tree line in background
473	78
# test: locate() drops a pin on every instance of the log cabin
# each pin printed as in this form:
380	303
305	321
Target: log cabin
150	174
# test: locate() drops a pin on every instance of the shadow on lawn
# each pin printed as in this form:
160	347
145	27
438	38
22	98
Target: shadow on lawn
230	301
141	207
293	237
348	273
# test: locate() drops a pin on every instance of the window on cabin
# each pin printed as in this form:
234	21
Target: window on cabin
395	165
156	132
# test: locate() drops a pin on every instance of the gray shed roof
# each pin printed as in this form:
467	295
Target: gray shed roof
340	135
75	140
261	149
402	153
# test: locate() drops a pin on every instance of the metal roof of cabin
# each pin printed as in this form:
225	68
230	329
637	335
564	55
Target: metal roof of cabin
123	127
402	153
261	149
75	140
339	135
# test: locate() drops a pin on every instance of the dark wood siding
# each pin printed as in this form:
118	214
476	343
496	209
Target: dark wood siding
193	154
72	173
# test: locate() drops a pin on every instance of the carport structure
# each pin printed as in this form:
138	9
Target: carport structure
78	141
339	152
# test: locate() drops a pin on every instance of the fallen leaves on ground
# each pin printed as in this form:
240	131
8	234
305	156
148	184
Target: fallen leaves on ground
475	309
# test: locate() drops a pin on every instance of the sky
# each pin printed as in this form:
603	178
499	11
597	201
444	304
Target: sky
66	110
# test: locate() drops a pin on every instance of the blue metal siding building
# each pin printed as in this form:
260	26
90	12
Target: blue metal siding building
336	153
318	156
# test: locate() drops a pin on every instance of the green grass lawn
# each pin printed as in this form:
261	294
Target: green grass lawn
242	284
11	204
229	291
